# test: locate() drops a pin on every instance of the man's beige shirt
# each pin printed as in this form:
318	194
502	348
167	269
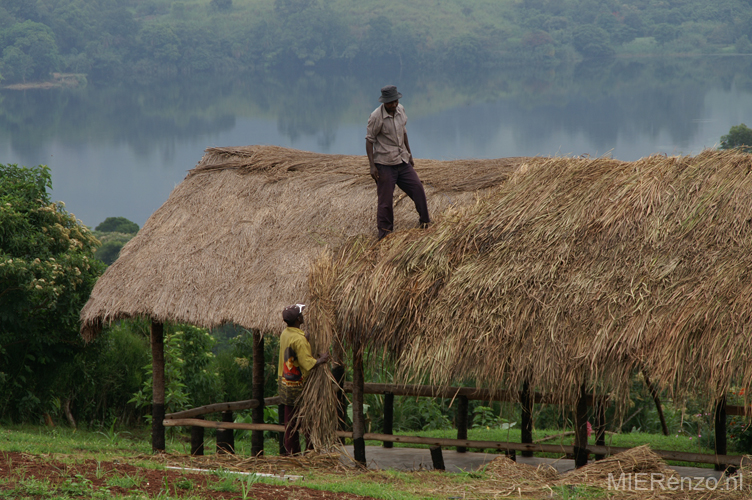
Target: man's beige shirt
387	134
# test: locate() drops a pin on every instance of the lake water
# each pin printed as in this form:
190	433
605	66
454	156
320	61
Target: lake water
119	150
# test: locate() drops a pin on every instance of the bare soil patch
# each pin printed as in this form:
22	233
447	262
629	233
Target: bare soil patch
65	474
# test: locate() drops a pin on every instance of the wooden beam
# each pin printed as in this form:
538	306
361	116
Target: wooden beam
257	413
226	436
158	387
742	411
197	440
213	424
580	431
437	458
720	430
526	417
461	421
600	425
359	424
657	401
220	407
388	417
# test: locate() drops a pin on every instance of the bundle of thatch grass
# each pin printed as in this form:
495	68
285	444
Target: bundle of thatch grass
638	460
575	272
504	467
317	414
234	240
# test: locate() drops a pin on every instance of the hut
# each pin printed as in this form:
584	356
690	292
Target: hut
566	279
234	241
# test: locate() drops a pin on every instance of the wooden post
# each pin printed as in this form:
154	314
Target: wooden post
580	431
338	372
281	435
257	414
720	430
437	458
461	421
526	417
600	424
657	401
359	425
226	437
197	439
158	387
388	417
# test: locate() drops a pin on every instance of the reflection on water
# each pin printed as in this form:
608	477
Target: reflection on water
119	150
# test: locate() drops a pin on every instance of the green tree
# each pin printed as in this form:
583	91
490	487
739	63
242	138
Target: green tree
114	233
46	275
592	41
30	52
739	136
117	225
160	43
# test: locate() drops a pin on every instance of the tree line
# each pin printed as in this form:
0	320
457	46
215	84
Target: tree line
109	39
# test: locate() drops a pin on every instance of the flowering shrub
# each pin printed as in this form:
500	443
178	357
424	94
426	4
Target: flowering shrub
46	274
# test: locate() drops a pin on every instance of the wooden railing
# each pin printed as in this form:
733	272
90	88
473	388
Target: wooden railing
225	441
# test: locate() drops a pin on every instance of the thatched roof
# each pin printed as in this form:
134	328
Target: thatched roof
234	240
574	271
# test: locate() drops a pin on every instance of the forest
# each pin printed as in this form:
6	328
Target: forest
108	40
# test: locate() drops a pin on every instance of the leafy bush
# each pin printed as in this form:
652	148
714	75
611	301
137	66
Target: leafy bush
189	379
46	275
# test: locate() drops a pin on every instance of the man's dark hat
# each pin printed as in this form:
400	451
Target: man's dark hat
389	94
291	313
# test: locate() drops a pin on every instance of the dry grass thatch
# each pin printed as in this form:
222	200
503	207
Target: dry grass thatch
234	240
575	271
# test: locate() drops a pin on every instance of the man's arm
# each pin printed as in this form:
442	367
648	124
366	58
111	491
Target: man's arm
407	145
369	152
322	359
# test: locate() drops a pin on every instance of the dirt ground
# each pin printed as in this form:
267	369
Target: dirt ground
88	476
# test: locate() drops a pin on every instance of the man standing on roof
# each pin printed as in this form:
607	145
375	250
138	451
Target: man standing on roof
295	361
391	160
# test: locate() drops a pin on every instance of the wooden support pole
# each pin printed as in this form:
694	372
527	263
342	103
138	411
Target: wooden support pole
226	437
437	458
359	425
388	417
526	417
281	435
461	421
338	372
657	401
257	390
580	431
197	439
720	430
158	387
600	424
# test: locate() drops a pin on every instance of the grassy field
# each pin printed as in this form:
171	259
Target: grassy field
64	448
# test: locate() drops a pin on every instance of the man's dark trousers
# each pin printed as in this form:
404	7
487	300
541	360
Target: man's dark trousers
404	176
292	439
